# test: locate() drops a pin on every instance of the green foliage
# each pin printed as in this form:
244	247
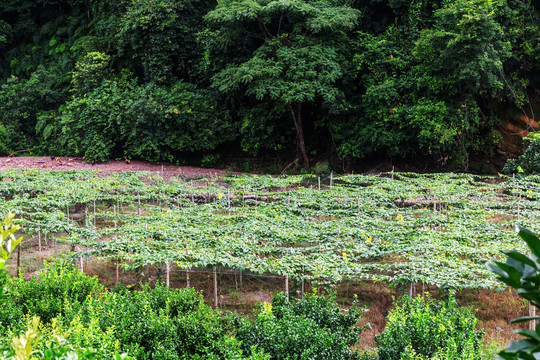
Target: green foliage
435	81
3	141
427	329
90	71
521	272
58	284
149	122
295	61
311	328
529	162
158	38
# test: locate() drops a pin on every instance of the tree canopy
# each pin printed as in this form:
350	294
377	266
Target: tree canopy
294	79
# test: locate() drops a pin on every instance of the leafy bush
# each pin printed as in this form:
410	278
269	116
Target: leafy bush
148	122
529	162
160	323
522	272
301	329
427	329
47	296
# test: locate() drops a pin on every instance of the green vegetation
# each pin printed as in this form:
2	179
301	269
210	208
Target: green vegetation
163	323
423	329
521	272
310	80
437	229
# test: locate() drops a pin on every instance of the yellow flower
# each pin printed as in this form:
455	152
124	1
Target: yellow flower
220	195
369	239
344	256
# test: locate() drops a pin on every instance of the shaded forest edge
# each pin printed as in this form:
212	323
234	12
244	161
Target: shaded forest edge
421	85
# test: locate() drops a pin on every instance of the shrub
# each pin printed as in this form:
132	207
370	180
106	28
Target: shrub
162	323
428	329
529	162
59	284
301	329
522	272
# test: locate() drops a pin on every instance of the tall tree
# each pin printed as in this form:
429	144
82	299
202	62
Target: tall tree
291	56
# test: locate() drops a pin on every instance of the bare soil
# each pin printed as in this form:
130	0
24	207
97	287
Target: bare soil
67	163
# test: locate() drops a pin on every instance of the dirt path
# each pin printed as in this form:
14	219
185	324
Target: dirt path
64	163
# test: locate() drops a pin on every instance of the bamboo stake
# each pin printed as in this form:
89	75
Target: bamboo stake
215	289
287	286
532	312
168	267
302	293
519	203
19	260
187	271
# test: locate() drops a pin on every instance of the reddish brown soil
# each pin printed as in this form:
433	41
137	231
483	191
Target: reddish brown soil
63	163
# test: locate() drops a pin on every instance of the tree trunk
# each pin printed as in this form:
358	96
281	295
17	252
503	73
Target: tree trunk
301	145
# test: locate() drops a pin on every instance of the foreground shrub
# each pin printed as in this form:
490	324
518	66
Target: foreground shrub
427	329
58	284
302	329
522	272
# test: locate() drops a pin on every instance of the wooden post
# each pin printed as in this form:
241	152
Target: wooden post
519	203
94	212
67	213
139	200
392	173
331	178
82	265
532	312
187	270
168	269
85	215
215	289
19	260
319	181
117	271
241	277
302	292
287	286
39	239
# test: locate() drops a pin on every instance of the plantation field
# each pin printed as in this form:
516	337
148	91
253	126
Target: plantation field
403	228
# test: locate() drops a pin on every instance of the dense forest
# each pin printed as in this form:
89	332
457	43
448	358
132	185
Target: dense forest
177	80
